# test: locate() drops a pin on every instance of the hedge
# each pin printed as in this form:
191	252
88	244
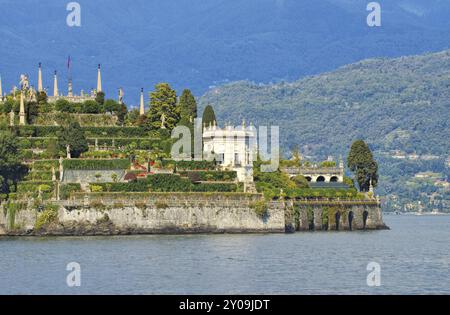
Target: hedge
139	143
84	164
60	118
41	175
215	187
191	165
45	165
91	132
196	176
164	183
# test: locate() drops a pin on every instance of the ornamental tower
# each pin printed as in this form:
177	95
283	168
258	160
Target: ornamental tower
99	79
142	106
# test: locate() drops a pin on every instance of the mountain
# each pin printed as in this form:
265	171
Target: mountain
401	107
198	44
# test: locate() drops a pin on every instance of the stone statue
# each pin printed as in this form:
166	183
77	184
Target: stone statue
24	83
68	151
121	94
163	121
32	94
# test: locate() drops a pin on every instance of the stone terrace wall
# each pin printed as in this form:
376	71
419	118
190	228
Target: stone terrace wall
148	213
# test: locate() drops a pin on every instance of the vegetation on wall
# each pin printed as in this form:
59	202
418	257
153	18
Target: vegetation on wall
96	164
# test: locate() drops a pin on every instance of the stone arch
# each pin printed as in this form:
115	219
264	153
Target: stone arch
320	179
350	220
365	217
308	178
337	217
334	179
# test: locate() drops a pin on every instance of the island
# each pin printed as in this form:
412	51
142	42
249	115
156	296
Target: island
86	165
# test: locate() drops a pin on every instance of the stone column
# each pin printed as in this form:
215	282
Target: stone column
317	218
303	223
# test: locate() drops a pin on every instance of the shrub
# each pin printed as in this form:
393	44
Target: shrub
48	216
260	208
301	181
66	189
96	188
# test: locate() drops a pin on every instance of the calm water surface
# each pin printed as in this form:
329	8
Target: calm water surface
414	258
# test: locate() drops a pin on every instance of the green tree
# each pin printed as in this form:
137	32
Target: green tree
361	162
188	105
111	106
301	181
32	111
163	102
74	136
121	113
100	98
91	107
209	116
11	168
41	98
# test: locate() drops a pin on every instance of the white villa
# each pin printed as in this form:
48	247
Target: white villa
235	148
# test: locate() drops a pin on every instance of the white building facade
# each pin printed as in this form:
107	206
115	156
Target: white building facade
235	148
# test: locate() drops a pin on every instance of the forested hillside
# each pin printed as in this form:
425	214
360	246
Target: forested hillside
199	43
398	104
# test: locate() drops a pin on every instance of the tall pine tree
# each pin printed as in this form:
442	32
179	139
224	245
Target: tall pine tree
188	105
163	107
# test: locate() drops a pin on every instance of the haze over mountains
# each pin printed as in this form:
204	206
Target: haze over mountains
198	44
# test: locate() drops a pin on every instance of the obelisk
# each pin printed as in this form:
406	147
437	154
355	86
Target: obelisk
22	110
40	89
99	79
55	85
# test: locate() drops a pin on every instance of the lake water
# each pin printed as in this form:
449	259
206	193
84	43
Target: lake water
414	257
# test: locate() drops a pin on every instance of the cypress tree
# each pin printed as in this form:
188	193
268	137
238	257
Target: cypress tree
188	105
209	116
361	162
